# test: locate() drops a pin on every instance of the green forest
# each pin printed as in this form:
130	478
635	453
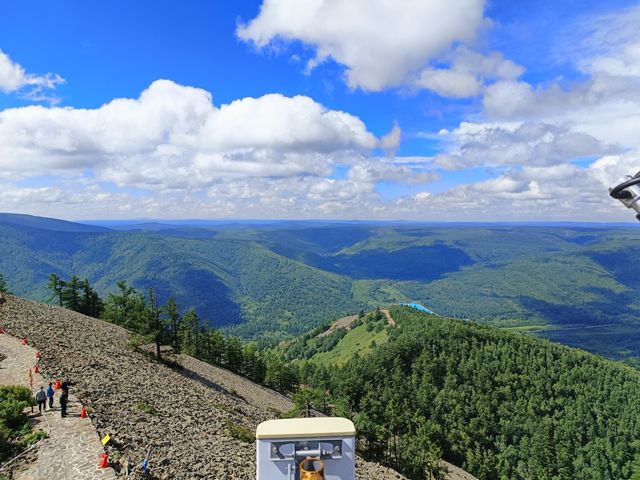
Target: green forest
500	405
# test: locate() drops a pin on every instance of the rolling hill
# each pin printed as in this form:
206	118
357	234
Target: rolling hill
573	284
500	404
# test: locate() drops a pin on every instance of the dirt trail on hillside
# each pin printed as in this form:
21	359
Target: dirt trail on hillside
73	448
344	322
390	319
192	409
348	321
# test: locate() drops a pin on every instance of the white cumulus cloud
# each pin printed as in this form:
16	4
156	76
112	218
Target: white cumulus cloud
517	143
171	153
468	73
13	77
173	136
381	43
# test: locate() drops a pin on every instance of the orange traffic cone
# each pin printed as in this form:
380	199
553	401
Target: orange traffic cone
23	341
104	461
1	330
57	385
83	412
36	369
38	355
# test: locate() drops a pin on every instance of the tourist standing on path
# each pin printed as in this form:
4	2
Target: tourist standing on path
65	386
64	398
50	393
41	398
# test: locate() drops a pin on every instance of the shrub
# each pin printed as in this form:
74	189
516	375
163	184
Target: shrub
240	433
135	341
32	437
14	424
146	408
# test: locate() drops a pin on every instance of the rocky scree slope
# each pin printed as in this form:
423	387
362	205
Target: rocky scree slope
188	431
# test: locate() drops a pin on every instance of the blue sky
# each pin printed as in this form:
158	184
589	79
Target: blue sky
502	112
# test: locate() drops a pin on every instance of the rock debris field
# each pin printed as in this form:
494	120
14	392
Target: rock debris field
187	430
72	447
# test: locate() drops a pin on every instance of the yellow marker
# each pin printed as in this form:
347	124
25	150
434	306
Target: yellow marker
106	439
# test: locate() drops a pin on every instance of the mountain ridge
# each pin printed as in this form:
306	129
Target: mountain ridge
279	280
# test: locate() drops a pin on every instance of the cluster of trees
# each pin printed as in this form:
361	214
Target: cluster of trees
319	340
306	347
500	405
76	295
165	325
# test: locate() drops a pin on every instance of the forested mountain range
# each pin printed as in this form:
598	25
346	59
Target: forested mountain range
573	283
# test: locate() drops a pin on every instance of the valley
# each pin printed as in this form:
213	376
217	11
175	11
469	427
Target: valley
572	284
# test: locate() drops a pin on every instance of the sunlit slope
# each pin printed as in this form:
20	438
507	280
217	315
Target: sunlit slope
337	343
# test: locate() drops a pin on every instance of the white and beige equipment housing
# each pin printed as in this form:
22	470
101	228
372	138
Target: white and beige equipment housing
321	448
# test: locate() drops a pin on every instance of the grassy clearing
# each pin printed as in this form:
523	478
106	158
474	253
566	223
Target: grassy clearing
528	328
358	340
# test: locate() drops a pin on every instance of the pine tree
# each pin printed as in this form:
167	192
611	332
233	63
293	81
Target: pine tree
233	354
71	294
125	308
3	285
90	303
154	324
189	333
56	285
174	319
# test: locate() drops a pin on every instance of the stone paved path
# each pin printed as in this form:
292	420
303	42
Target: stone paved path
73	448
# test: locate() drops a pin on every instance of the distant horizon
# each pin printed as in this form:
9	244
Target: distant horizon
340	221
256	221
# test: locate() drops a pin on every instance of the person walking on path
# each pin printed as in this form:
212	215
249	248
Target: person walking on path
64	398
41	398
50	394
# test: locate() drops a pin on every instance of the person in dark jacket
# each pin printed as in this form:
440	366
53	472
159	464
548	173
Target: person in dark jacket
65	386
41	398
50	393
64	399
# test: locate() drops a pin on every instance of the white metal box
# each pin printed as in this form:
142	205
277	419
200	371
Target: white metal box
282	444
